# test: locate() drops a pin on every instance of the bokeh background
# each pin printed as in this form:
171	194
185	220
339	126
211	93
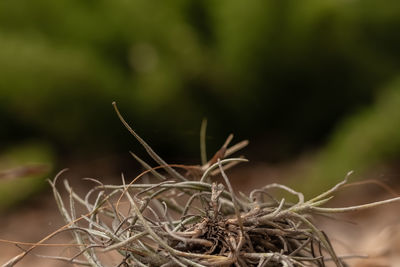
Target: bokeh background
316	78
314	85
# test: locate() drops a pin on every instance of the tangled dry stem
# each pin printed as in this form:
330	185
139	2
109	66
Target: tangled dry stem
187	219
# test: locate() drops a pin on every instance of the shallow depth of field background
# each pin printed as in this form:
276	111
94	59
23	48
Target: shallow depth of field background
300	79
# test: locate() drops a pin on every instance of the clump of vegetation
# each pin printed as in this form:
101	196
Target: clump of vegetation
187	218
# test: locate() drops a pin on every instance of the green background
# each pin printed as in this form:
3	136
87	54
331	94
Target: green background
289	75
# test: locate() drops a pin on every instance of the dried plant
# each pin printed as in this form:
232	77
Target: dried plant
185	218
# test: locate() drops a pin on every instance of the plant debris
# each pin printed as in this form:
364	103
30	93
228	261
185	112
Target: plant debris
187	218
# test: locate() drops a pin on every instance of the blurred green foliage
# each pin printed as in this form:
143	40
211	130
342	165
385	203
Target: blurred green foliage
363	142
23	172
287	71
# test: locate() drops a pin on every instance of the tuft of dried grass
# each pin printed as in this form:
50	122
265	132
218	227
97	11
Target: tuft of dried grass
185	218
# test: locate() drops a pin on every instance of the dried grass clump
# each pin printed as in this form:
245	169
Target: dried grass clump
186	219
